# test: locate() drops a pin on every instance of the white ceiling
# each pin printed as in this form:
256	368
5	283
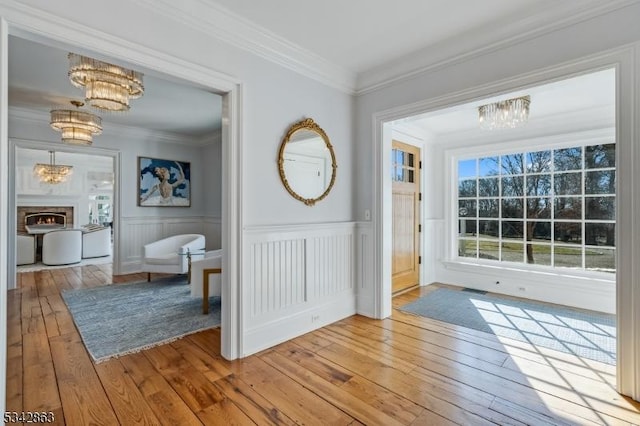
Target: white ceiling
362	34
358	36
38	81
580	103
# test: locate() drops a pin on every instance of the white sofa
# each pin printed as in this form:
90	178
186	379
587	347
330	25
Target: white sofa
169	255
62	247
212	259
26	249
96	242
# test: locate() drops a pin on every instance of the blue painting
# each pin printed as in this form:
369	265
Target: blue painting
164	182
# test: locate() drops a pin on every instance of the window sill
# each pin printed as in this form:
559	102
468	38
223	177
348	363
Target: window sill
535	271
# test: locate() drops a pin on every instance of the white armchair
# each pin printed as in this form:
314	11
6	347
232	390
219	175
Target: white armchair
96	242
62	247
169	255
25	249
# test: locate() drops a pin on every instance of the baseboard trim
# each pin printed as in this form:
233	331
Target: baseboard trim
280	330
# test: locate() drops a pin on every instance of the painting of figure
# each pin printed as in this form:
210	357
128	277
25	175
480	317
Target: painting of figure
164	183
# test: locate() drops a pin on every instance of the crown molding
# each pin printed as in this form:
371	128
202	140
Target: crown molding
480	42
219	22
244	34
42	118
214	20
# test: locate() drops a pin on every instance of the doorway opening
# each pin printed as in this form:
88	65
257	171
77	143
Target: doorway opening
546	231
197	78
86	198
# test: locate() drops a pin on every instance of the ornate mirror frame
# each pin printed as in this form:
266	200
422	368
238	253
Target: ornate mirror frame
306	124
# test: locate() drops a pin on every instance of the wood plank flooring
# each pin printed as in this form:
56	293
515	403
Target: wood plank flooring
404	370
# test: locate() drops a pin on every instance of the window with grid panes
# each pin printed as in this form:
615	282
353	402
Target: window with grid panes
552	207
403	167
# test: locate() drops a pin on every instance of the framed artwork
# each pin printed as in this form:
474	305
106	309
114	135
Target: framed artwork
163	183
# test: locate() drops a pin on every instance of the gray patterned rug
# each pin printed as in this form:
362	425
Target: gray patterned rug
583	333
119	319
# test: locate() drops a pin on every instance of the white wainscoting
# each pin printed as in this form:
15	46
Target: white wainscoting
296	279
277	275
433	249
135	232
580	289
365	270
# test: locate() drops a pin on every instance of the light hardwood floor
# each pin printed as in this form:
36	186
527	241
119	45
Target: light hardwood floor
401	370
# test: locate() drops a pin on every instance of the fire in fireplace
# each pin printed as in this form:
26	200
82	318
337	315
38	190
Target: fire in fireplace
46	215
45	220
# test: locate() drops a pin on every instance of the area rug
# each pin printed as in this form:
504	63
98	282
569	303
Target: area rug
587	334
119	319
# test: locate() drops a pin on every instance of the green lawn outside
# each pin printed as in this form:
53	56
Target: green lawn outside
563	256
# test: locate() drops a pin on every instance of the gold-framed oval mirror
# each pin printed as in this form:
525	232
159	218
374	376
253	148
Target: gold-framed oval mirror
306	162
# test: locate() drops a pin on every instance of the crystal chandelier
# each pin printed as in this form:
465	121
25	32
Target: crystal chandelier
510	113
52	173
107	86
77	127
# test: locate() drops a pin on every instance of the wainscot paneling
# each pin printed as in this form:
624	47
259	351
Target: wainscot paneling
330	270
135	232
364	269
277	276
433	249
580	289
297	278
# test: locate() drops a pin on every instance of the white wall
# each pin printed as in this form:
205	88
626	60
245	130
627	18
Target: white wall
267	201
212	192
212	180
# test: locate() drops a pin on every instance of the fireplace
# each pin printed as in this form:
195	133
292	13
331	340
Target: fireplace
38	219
44	221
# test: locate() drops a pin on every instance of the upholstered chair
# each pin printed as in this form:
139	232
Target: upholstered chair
62	247
25	249
173	254
96	242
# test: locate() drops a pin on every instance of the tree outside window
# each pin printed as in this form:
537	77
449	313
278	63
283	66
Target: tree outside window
549	207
